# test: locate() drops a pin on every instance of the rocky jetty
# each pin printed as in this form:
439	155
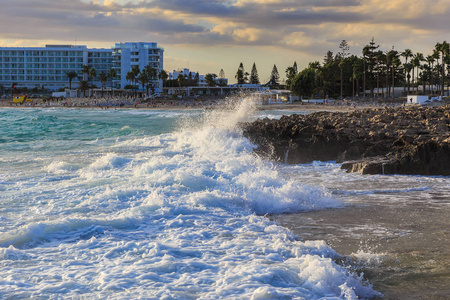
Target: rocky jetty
410	140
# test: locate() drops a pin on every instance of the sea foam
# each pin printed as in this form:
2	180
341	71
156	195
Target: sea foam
178	215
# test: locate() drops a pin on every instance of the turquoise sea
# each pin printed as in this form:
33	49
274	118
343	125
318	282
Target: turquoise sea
173	204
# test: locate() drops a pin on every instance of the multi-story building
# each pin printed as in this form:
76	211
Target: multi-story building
128	55
47	66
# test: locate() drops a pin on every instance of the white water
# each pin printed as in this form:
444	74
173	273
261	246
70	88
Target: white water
177	215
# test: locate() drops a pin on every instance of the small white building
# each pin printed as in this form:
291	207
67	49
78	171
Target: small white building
188	74
416	99
265	97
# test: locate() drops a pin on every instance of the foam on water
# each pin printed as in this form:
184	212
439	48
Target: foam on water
167	216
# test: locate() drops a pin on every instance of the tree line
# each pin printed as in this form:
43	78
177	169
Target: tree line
136	77
243	77
375	71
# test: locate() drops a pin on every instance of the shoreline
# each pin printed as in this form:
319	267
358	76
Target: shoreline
206	104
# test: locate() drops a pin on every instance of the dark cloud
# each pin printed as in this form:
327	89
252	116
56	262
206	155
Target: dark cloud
265	15
50	20
163	21
198	7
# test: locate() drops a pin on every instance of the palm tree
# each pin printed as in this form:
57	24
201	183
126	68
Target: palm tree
70	76
416	62
447	61
83	86
112	73
380	58
85	71
211	79
436	56
180	79
136	71
152	75
407	54
430	60
444	50
130	77
290	75
92	74
356	74
388	61
143	78
103	78
164	76
408	68
366	54
395	64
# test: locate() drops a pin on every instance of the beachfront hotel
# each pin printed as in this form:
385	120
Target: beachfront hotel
47	66
127	55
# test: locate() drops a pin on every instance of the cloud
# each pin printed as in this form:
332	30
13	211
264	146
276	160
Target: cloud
306	28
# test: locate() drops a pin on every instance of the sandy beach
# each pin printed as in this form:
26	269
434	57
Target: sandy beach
116	103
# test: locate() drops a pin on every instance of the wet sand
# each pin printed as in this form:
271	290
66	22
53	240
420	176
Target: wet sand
395	230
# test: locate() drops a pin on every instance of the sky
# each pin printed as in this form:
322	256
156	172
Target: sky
210	35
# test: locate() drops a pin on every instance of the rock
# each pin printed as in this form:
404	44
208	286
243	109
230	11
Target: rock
373	165
413	140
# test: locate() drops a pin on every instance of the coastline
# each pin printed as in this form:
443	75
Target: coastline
338	106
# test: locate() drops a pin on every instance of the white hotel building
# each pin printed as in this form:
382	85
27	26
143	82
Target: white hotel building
127	55
47	66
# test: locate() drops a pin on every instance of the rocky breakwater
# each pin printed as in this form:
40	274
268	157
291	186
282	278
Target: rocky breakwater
403	140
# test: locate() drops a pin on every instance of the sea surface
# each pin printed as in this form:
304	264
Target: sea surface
173	204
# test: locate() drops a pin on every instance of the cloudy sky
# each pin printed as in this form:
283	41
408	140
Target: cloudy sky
209	35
